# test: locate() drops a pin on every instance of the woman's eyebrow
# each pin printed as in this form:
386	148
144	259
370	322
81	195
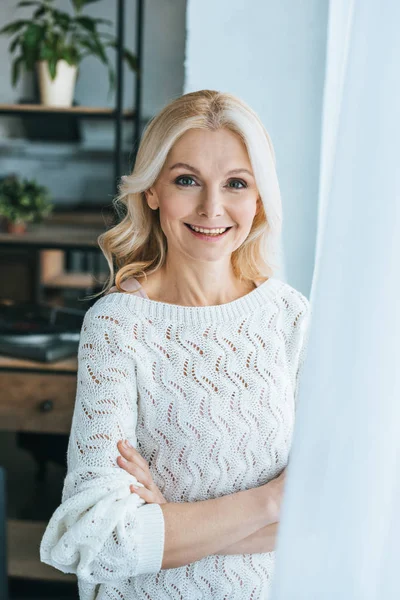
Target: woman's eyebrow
191	168
185	166
237	171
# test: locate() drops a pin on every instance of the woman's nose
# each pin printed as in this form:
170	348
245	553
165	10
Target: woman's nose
211	202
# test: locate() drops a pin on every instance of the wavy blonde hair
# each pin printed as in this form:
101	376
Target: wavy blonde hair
137	246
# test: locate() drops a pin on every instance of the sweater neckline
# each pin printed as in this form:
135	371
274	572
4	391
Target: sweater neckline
198	314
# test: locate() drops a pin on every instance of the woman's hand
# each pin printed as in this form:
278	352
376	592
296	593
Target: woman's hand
132	462
274	490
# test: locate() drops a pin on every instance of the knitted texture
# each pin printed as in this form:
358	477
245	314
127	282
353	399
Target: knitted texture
207	396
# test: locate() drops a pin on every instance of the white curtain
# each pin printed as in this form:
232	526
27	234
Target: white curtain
339	535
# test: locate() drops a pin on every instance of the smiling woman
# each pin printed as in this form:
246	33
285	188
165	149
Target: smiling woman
205	199
205	161
198	373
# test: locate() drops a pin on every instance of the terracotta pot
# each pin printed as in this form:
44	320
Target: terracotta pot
60	91
19	227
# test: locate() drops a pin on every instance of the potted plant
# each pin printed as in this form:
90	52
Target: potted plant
56	42
23	201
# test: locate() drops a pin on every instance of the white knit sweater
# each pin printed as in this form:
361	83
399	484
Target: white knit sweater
207	396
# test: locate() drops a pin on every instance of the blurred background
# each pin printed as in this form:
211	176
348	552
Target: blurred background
64	143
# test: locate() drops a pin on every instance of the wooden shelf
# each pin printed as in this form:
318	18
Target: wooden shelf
23	541
45	236
78	111
66	365
100	218
75	281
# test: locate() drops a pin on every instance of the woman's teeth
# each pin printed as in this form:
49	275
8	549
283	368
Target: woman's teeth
208	231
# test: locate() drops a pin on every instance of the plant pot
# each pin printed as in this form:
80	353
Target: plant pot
16	227
60	91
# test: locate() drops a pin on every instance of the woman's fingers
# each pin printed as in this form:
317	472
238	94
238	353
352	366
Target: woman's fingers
130	463
135	470
144	493
131	452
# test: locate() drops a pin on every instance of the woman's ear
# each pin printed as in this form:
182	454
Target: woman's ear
151	198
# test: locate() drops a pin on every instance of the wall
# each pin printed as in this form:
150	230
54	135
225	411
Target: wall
272	54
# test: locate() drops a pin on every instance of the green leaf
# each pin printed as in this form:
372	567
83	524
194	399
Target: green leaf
87	43
87	23
53	67
30	56
16	70
71	56
14	27
111	78
130	58
39	12
33	35
63	20
105	21
14	43
46	53
24	199
28	3
95	46
31	44
100	48
79	4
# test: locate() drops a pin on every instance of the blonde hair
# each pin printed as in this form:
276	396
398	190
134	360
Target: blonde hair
137	245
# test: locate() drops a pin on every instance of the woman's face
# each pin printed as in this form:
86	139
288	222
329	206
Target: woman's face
197	186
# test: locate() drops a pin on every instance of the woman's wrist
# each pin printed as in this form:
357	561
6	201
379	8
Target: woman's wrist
268	502
263	540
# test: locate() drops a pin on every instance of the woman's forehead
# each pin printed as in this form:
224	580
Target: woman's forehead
204	147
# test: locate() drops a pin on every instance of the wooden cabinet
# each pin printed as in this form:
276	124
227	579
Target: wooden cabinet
41	403
38	398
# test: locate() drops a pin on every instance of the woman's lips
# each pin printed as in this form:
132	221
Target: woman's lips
208	238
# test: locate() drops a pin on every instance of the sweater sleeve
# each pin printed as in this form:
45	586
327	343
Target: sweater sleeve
102	531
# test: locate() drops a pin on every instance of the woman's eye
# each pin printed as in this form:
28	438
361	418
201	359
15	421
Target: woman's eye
242	184
183	180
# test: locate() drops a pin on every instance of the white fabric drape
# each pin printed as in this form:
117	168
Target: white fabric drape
339	534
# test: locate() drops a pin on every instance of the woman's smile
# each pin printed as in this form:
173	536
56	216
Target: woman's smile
210	237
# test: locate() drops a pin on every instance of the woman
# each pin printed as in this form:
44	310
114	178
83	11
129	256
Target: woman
193	357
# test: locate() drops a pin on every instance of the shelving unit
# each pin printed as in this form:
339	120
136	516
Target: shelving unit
50	236
30	384
117	114
49	242
88	112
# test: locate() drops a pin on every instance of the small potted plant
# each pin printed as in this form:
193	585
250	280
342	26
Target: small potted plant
23	201
56	42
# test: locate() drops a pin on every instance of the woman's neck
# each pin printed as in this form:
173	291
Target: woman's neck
163	288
